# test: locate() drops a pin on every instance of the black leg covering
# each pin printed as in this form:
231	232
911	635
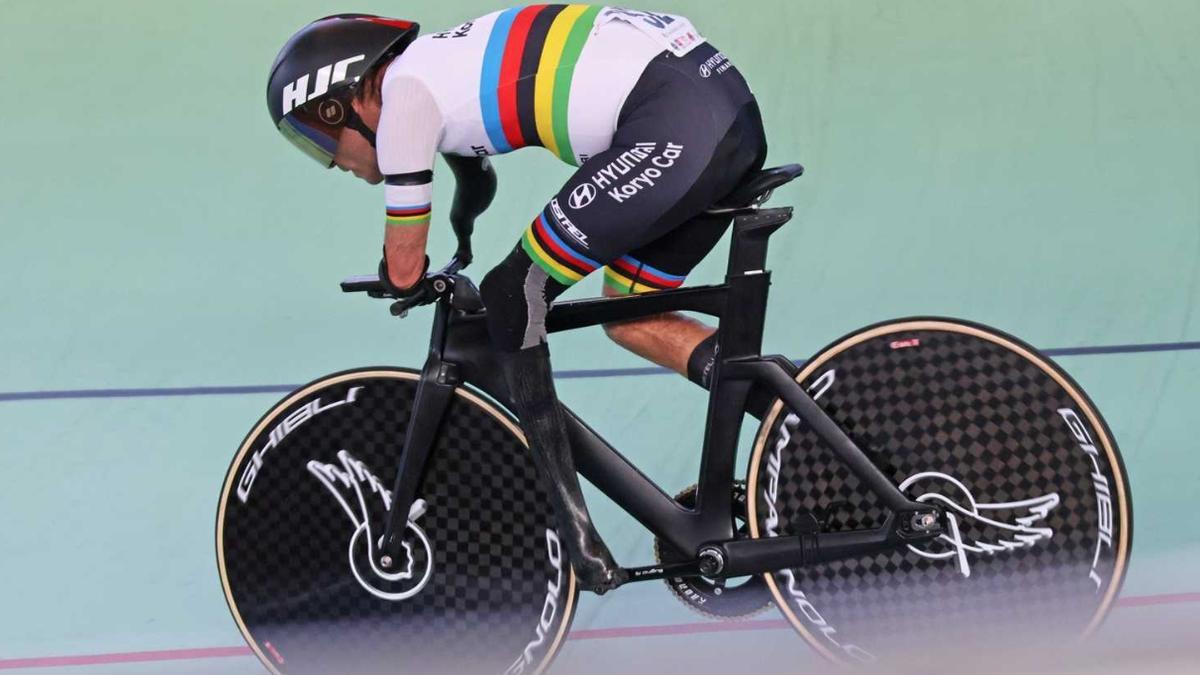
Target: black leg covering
517	295
702	361
700	367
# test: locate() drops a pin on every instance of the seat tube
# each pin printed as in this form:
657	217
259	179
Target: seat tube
749	282
739	336
742	324
714	494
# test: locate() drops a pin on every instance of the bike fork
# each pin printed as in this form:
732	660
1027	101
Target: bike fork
434	393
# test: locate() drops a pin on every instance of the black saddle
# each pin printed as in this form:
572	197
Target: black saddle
757	187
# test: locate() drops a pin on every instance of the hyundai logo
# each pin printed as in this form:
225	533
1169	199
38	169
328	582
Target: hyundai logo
582	196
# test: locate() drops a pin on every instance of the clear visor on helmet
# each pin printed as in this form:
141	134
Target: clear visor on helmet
315	128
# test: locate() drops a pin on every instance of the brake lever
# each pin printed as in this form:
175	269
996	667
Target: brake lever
433	287
400	308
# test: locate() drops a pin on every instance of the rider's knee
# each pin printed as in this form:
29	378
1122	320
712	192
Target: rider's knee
517	295
502	294
500	283
621	332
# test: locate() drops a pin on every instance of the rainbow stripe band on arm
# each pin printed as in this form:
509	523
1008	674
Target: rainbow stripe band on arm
408	216
626	275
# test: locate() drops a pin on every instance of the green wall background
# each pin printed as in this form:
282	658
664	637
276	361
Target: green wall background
1026	164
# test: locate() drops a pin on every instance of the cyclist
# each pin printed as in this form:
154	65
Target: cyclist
659	122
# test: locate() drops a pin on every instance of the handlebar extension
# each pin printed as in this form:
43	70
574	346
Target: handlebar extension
435	286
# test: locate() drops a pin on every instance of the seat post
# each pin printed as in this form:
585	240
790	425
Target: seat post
748	280
748	250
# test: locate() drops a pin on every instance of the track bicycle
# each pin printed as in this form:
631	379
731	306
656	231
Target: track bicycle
914	476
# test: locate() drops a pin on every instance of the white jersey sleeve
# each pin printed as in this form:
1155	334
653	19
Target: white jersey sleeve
407	143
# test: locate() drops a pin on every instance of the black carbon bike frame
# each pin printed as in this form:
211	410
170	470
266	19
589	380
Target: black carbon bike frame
460	353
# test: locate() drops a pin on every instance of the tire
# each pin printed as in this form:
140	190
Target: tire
488	588
975	421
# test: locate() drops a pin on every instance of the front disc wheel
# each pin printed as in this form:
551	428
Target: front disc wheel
483	584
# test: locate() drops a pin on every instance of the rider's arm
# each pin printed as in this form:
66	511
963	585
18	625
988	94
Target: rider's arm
410	128
475	186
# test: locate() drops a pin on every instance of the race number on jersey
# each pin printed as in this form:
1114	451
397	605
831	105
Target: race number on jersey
674	33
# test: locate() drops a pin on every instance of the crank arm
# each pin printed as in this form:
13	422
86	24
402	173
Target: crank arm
656	572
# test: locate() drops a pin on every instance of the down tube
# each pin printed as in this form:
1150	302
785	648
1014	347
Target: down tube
629	488
598	462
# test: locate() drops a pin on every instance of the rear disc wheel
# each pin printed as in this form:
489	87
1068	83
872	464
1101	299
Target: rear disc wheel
978	423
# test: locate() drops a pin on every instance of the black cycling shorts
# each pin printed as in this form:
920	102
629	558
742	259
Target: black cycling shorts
688	134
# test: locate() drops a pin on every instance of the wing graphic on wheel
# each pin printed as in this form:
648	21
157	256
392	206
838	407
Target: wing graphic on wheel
1015	525
366	502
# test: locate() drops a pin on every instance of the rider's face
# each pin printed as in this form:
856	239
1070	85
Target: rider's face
354	153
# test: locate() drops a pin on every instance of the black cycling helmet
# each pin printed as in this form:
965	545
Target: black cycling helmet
315	74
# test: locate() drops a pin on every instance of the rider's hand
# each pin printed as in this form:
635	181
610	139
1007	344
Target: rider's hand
385	278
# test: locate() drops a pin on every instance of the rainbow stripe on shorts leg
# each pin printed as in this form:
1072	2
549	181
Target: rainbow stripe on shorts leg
626	275
548	250
408	216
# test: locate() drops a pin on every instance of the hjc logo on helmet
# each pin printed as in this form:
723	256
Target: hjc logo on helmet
297	93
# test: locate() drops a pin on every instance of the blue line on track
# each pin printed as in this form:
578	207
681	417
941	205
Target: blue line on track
1123	349
142	393
610	372
563	375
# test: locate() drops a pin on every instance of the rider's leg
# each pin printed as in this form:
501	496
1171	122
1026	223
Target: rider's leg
517	294
668	340
674	340
679	343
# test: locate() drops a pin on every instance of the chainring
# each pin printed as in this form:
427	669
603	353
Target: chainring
738	598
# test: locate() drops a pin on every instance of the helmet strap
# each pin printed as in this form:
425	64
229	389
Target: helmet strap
356	123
